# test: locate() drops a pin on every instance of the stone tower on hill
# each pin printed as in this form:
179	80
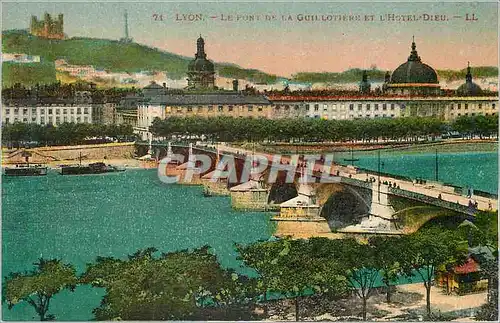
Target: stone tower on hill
48	27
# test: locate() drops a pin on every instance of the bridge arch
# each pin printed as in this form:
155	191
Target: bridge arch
343	205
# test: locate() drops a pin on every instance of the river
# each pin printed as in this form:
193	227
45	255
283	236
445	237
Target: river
76	218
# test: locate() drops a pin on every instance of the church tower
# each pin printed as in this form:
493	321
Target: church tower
201	71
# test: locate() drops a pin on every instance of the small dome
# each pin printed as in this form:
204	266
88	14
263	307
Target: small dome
469	87
414	71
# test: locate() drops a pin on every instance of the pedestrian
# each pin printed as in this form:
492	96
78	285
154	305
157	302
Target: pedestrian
439	196
489	205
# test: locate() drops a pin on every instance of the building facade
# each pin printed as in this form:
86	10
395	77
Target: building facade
54	114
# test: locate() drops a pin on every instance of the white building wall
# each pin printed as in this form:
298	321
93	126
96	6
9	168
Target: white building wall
47	114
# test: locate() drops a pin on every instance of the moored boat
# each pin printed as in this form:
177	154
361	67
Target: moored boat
26	170
94	168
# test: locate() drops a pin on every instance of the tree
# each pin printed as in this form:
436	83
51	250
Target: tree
427	250
297	268
387	252
361	269
181	285
39	286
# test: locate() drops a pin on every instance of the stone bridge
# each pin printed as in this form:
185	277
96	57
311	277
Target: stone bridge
350	201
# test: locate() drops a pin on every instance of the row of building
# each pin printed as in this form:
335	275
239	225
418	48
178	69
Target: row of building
411	90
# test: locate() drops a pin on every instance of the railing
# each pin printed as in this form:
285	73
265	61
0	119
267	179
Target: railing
432	200
356	182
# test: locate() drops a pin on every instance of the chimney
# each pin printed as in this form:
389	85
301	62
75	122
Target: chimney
235	85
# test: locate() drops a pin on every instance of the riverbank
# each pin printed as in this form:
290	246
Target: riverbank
450	145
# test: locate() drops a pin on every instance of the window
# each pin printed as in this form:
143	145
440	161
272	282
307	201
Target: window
25	111
473	114
58	120
307	107
480	106
459	106
392	115
334	108
259	109
493	106
210	108
6	120
287	107
72	111
466	106
65	119
7	111
230	108
50	120
179	109
33	110
42	120
72	119
16	119
296	107
392	106
86	119
250	108
42	111
25	119
466	114
79	110
58	111
200	109
376	106
351	106
384	106
33	119
189	109
220	108
325	107
78	119
86	110
459	114
376	116
16	110
367	115
451	106
368	107
316	107
359	107
65	111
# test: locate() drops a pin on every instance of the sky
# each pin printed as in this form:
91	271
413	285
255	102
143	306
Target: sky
289	44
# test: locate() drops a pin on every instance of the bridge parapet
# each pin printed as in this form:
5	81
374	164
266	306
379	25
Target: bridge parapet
432	200
356	182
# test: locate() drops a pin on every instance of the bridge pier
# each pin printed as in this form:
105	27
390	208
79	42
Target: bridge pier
300	216
215	188
249	196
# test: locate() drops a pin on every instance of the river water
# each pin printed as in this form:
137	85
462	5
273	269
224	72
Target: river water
76	218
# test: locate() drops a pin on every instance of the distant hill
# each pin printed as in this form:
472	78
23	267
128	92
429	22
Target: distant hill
131	57
103	53
354	75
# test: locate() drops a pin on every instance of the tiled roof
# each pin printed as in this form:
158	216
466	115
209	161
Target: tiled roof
208	99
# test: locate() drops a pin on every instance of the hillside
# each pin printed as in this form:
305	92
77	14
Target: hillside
108	54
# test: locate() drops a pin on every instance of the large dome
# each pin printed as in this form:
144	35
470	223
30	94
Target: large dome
414	71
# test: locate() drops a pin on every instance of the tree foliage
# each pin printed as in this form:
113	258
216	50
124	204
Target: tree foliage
311	129
39	286
19	134
177	285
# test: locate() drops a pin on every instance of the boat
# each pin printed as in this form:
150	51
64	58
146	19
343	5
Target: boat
94	168
26	170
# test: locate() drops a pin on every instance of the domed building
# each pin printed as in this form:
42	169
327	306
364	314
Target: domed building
413	77
201	71
469	88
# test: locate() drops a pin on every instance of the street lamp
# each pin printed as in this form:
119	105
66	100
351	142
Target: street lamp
437	168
